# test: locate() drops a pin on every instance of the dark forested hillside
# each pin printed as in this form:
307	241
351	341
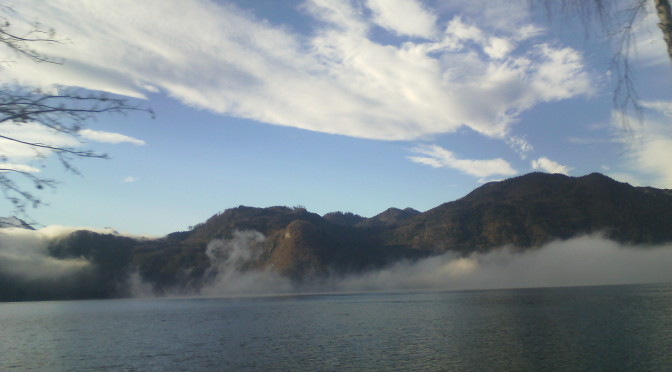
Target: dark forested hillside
523	212
536	208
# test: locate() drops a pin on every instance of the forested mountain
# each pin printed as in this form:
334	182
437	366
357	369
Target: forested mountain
523	212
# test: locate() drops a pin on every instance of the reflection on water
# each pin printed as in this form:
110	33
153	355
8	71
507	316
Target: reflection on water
574	329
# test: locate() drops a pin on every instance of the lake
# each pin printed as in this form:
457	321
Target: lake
607	328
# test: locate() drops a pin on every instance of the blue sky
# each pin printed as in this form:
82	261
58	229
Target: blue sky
351	105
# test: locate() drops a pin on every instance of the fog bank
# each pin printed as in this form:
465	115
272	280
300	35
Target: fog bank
24	253
587	260
230	262
33	268
30	269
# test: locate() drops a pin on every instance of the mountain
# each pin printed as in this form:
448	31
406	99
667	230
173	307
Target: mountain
298	244
392	217
523	212
533	209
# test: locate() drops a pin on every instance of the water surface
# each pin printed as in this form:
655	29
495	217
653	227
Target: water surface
610	328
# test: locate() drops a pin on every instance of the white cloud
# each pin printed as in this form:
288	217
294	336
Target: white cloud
336	80
38	134
562	75
498	48
663	107
520	145
649	46
648	145
7	167
404	17
109	137
438	157
510	16
131	179
547	165
31	133
16	153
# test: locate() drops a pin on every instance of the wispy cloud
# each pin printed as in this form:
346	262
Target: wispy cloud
404	17
547	165
130	179
648	145
649	46
32	133
109	137
663	107
8	167
336	80
438	157
17	153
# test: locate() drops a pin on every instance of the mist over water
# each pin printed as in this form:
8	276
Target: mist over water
229	260
586	260
24	254
235	270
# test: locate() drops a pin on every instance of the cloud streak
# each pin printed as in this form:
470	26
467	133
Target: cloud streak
18	154
109	137
8	167
33	133
337	79
438	157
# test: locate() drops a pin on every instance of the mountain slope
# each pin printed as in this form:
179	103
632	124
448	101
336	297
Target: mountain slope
533	209
523	212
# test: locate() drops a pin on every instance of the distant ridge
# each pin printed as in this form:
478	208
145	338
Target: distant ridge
535	208
523	213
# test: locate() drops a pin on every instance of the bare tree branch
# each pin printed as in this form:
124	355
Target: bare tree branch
618	25
65	113
21	44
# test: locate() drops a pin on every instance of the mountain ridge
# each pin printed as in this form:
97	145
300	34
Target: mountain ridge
523	212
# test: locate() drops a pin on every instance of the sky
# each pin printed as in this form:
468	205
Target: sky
333	105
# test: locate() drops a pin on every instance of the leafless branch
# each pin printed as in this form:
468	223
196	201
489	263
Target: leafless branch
66	112
617	25
21	44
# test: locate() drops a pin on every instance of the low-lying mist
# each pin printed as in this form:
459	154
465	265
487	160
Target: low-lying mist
586	260
32	267
24	254
29	265
228	262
